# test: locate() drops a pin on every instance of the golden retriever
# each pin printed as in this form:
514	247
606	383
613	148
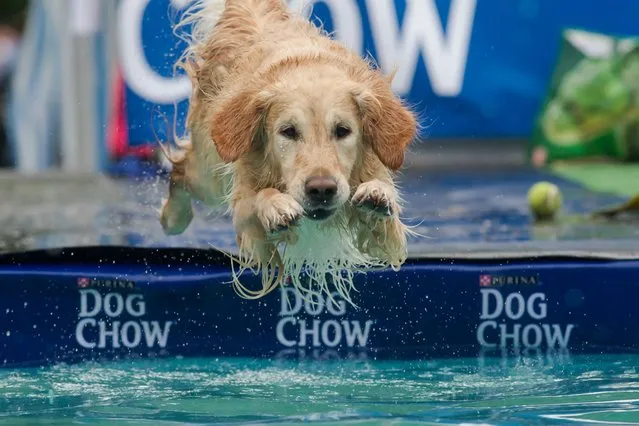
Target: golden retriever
300	137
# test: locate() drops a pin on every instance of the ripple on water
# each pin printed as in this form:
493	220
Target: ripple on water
208	391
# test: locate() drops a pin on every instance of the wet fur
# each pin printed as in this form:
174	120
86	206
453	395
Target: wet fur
249	62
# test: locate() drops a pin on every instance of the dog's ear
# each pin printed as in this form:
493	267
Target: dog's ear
236	123
388	125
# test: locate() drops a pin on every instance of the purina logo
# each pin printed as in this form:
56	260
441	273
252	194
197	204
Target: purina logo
106	283
506	280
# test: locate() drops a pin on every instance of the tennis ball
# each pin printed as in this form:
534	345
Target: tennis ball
544	199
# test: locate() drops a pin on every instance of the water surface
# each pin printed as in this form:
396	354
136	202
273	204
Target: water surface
550	390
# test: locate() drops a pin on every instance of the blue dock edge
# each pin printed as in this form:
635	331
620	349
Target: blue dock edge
103	303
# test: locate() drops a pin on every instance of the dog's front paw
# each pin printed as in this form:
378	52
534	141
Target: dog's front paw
377	197
277	211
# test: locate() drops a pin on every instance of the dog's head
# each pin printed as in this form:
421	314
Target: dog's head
313	124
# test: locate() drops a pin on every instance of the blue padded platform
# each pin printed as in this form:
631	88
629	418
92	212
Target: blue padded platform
96	279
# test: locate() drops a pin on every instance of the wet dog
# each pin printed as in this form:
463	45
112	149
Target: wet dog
300	137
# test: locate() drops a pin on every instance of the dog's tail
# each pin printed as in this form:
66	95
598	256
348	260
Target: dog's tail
196	25
203	15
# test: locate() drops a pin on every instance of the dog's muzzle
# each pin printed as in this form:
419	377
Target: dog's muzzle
321	194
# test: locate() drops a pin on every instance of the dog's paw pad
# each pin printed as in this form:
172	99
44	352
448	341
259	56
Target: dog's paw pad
375	196
285	224
377	205
280	213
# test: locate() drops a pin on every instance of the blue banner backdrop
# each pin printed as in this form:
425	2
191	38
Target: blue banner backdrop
59	308
472	68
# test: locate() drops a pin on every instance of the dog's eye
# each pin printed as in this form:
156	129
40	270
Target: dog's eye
289	132
342	131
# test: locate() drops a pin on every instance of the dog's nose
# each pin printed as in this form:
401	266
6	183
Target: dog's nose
320	190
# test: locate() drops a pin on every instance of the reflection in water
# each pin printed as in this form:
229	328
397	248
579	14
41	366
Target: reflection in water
546	388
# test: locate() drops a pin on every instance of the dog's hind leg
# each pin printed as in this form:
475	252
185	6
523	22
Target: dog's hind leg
177	210
198	174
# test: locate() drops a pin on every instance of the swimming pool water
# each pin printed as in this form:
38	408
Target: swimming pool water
552	390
